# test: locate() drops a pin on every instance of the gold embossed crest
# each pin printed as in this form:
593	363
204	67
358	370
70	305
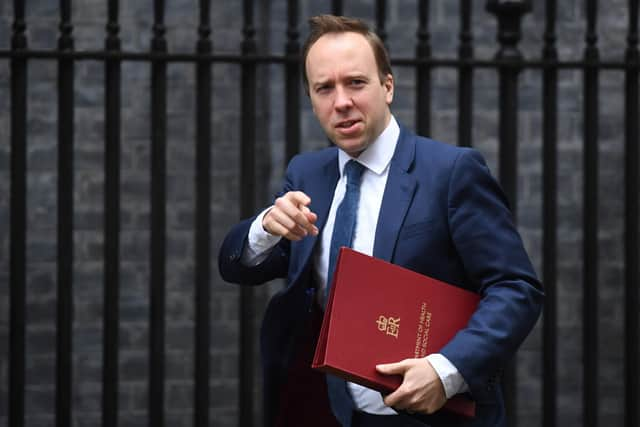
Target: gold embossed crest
389	325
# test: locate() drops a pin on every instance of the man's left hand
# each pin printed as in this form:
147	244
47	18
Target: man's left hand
421	389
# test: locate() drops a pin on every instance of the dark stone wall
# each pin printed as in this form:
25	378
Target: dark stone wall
136	19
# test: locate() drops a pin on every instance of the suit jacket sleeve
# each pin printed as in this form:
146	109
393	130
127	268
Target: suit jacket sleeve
230	264
494	259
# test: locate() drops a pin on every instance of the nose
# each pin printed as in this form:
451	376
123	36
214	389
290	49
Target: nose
343	99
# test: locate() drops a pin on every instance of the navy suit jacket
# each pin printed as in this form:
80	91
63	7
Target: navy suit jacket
442	215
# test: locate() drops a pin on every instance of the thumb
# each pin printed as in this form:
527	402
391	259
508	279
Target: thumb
398	368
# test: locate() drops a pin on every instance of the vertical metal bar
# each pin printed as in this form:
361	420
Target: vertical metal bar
509	134
590	220
509	16
247	206
381	17
549	238
18	220
111	221
632	187
202	232
465	76
508	173
157	284
65	221
292	81
423	71
337	7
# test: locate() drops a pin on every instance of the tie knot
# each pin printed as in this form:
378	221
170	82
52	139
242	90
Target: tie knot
353	170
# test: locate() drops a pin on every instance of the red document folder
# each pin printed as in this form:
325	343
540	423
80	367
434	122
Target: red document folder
379	312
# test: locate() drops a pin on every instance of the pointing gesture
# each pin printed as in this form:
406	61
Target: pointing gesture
290	217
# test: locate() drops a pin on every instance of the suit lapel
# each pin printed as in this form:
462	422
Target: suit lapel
397	197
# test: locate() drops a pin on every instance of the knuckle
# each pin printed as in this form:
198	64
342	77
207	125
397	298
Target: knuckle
414	401
280	201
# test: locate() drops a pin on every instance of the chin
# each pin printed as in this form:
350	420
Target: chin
354	152
352	148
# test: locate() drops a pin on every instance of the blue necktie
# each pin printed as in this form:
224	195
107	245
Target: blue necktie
345	222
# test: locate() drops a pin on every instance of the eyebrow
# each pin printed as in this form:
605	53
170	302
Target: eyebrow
331	81
320	83
356	75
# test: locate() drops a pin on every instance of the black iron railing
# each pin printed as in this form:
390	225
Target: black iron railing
508	63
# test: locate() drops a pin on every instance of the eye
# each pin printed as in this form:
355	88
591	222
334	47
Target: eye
323	89
358	82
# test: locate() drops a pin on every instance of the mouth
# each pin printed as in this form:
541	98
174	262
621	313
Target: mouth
346	124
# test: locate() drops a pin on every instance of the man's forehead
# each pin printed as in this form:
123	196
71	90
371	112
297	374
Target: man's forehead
345	38
328	72
348	52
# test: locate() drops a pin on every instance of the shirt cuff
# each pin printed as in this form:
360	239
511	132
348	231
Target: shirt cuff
259	242
449	375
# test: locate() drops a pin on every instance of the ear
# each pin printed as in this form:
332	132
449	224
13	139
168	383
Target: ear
388	85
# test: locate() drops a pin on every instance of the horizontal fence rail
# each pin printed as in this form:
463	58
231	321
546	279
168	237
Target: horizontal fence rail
258	58
509	63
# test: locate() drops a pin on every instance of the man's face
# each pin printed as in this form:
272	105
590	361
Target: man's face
347	97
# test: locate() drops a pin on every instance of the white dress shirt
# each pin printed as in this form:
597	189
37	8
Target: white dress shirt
376	158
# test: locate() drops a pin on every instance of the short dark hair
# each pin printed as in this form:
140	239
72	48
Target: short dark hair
325	24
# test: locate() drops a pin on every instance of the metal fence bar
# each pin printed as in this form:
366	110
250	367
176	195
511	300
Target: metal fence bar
247	207
590	221
381	20
509	15
157	285
632	241
65	222
112	111
508	62
203	221
423	71
433	62
337	7
18	220
292	82
465	76
550	223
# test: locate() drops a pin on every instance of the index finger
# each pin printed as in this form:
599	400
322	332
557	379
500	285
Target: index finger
298	198
297	209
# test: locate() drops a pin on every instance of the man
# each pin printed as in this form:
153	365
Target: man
424	205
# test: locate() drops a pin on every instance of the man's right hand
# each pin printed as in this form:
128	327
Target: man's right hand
290	217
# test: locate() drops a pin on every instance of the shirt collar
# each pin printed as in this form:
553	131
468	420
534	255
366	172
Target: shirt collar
378	154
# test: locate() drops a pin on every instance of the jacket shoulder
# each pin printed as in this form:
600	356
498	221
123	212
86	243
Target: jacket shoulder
433	153
304	161
433	147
